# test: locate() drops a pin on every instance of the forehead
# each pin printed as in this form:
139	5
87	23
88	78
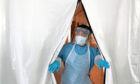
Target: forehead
82	30
81	33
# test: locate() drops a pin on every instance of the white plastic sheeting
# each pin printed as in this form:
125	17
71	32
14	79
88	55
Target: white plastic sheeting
32	33
116	25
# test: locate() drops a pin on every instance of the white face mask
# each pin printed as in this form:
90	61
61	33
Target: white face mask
80	40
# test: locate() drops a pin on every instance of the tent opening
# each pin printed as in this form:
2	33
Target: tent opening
79	18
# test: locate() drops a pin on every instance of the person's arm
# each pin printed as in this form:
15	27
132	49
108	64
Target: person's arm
97	56
61	54
64	52
93	54
99	61
61	58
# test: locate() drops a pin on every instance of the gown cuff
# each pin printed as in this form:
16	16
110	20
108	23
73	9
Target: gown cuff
59	59
97	58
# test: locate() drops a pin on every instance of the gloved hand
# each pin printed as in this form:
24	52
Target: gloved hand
103	63
55	65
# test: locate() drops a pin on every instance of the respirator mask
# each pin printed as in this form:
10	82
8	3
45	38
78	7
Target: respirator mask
81	37
80	40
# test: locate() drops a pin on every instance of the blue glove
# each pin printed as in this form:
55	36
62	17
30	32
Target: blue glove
55	65
103	63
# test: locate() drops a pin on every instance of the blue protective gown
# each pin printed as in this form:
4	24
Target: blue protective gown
79	50
76	69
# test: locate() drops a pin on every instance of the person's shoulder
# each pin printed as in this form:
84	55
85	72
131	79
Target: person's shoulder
68	45
92	48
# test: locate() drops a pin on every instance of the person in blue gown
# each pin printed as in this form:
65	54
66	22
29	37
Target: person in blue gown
78	58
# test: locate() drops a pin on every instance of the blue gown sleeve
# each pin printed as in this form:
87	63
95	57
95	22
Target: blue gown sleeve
93	52
63	54
97	51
